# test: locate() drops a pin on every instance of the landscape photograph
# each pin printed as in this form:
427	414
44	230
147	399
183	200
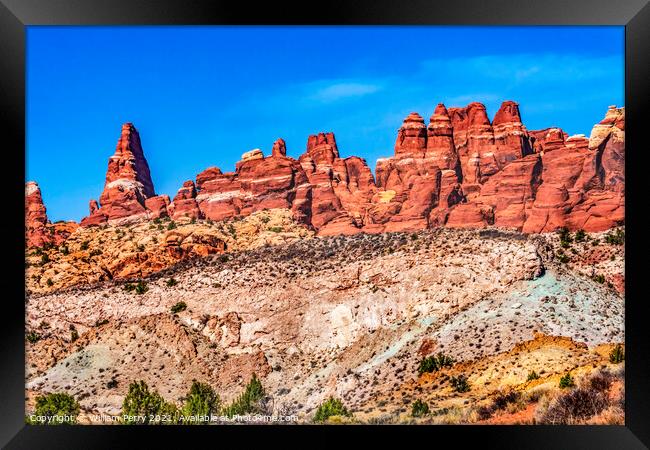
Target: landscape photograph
380	225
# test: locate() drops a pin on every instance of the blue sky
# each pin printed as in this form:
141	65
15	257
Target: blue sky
201	96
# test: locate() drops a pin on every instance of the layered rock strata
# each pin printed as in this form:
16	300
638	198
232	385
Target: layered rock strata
459	170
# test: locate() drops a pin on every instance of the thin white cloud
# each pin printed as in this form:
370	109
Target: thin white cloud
308	95
527	67
343	90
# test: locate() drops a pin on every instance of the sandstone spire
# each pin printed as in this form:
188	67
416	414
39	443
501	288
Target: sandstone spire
440	140
128	181
411	137
279	148
35	216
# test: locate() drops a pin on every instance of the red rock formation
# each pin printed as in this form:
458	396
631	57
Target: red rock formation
461	171
350	189
38	229
128	183
318	163
184	204
503	199
510	135
547	140
93	206
411	137
608	140
257	183
440	140
157	206
279	148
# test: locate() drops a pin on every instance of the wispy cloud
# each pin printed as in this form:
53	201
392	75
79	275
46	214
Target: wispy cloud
309	95
343	90
526	67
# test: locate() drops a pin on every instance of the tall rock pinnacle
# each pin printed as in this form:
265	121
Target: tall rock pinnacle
35	216
39	231
128	181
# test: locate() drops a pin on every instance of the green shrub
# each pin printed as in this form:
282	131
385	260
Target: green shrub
59	408
459	383
331	407
32	337
565	237
171	282
617	237
599	278
231	229
249	401
201	401
434	363
617	355
140	406
265	219
419	408
45	258
193	220
276	229
49	282
74	335
178	307
580	235
140	248
64	249
141	287
84	245
561	257
171	225
95	252
532	375
567	381
157	221
101	322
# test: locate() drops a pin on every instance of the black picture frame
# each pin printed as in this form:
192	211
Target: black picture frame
15	15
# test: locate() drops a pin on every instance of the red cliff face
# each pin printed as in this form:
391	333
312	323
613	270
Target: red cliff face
128	186
184	204
258	183
460	170
440	140
38	229
279	148
411	137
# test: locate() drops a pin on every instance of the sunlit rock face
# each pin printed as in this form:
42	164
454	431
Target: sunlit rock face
459	170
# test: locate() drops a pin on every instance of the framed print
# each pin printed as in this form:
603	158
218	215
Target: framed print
406	218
